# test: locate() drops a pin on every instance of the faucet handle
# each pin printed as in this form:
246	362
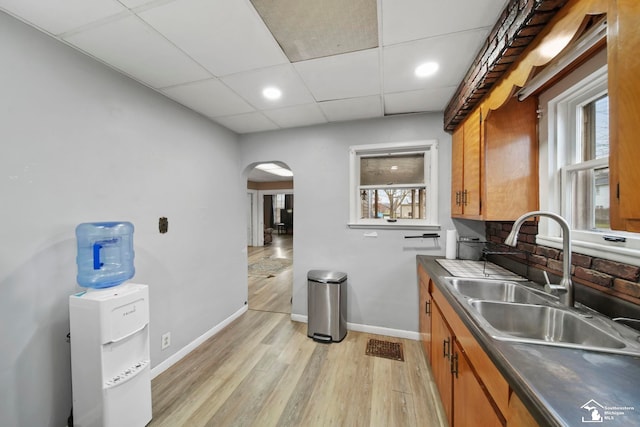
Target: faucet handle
552	289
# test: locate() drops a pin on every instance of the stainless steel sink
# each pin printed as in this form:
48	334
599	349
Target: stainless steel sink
515	312
495	290
524	322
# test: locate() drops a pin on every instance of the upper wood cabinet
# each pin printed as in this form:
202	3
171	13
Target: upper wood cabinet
465	168
623	41
494	163
510	161
498	184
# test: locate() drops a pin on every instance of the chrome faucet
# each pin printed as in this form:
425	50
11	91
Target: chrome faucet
565	288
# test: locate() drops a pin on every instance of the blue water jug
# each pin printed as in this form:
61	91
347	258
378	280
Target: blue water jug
105	253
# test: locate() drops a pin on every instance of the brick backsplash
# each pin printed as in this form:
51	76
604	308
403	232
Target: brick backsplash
618	279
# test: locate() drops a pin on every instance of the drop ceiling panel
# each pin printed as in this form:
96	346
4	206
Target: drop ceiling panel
308	29
247	123
352	109
408	20
299	115
249	85
454	53
133	47
225	36
417	100
132	4
209	97
342	76
59	16
216	56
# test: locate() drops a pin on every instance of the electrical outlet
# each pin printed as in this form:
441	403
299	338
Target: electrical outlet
165	341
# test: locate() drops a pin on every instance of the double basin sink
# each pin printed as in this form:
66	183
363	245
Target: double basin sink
511	311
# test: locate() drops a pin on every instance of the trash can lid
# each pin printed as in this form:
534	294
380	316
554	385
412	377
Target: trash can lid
326	276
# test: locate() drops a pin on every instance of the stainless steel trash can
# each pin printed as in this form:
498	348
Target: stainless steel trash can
327	305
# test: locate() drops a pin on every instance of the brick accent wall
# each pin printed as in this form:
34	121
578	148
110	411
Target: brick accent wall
520	22
614	278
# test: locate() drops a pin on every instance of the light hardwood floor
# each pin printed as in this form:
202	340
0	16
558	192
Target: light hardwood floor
263	370
272	293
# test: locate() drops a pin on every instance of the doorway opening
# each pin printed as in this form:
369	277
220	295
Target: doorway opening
270	238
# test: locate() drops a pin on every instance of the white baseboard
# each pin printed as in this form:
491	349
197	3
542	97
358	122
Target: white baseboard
174	358
377	330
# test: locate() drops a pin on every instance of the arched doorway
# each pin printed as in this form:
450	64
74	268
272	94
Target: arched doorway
270	237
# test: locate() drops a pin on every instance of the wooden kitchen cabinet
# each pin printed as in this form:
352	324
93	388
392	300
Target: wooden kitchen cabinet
442	340
424	319
472	389
465	401
510	161
457	169
471	405
465	168
494	163
624	109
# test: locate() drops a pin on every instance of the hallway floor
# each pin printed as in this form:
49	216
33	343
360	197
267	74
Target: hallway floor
272	292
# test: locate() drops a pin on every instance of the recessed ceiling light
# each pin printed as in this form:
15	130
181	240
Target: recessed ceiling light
426	69
272	93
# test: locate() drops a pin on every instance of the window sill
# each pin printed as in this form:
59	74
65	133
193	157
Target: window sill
619	252
395	226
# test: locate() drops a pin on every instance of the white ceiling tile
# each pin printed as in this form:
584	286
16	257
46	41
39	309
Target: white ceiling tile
352	109
299	115
250	84
209	97
454	53
418	100
132	4
133	47
415	19
247	123
342	76
225	36
59	16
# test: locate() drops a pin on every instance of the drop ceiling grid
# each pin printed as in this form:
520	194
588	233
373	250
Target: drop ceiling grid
197	52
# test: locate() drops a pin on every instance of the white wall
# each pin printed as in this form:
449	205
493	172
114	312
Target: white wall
382	290
78	143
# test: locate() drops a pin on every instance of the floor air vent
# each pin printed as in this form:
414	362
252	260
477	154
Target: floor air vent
386	349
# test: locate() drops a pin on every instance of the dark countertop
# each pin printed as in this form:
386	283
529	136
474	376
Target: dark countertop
556	383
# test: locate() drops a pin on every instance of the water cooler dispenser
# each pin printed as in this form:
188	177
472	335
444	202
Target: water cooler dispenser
109	322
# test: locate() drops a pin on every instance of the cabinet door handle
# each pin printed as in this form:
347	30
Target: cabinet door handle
454	364
457	198
427	307
445	348
464	197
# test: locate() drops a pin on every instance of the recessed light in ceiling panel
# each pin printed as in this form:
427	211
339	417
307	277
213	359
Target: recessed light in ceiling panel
307	29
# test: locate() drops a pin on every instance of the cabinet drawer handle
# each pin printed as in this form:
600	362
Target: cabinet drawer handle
454	365
445	348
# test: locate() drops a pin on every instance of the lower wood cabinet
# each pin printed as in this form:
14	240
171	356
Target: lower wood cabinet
472	406
472	390
424	318
442	339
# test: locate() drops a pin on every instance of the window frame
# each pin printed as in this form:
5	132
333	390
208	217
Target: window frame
430	149
559	128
